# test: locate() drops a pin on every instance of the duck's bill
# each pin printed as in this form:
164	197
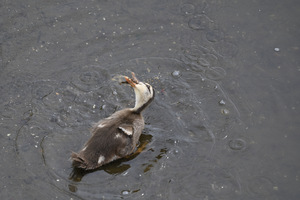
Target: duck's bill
134	79
130	81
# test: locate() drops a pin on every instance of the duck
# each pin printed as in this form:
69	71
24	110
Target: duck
116	136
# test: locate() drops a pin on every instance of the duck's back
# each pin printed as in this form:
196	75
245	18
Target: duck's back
112	138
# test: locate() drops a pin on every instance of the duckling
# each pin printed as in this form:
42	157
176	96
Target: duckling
116	136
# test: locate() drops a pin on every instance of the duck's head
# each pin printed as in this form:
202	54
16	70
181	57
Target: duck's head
144	93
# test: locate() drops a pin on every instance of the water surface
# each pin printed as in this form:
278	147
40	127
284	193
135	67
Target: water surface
225	121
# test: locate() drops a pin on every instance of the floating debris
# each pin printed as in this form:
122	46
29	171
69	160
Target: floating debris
276	49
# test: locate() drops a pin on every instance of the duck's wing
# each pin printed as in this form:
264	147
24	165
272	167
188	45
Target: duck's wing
105	145
126	129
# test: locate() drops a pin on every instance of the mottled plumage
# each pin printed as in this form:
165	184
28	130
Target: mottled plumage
116	136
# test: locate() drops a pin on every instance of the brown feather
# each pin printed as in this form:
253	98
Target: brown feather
116	136
109	140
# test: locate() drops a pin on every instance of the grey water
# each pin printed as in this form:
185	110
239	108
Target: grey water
225	121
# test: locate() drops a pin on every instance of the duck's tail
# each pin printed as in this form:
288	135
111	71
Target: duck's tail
78	161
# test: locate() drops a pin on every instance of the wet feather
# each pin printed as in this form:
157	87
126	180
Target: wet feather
116	136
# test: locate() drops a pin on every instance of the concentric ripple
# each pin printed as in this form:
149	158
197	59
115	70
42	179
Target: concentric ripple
186	114
200	22
88	78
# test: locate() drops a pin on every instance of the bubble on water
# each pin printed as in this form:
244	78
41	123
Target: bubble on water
225	111
176	73
276	49
222	102
125	192
237	144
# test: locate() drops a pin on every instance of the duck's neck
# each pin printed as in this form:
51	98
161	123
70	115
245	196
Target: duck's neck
140	103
